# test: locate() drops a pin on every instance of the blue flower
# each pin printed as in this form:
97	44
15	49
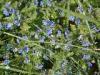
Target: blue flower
20	52
27	60
49	32
68	46
26	48
86	43
48	23
58	33
77	21
90	64
6	12
45	57
18	41
51	23
7	5
41	3
94	28
71	18
63	64
8	26
39	66
42	39
6	62
1	26
66	33
12	11
36	2
25	37
80	9
45	22
86	57
17	22
48	3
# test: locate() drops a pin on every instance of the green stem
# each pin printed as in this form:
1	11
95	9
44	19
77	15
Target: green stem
15	70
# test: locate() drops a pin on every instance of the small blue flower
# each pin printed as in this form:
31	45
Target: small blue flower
49	32
51	23
18	41
63	64
68	46
45	57
86	57
90	64
80	9
6	12
26	48
86	43
7	5
36	2
71	18
6	62
8	26
94	28
1	26
27	60
48	3
39	66
17	22
20	52
25	37
48	23
58	33
77	21
12	11
45	22
66	33
41	3
42	39
98	30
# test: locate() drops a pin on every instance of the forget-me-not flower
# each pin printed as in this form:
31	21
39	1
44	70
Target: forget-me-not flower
6	12
8	26
48	23
71	18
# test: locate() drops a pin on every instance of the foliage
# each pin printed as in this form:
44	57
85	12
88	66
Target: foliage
49	37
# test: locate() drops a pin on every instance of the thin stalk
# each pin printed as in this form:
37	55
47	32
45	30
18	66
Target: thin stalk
34	42
15	70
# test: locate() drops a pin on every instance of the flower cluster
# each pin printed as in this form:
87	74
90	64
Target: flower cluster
38	36
7	11
42	3
76	20
48	23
